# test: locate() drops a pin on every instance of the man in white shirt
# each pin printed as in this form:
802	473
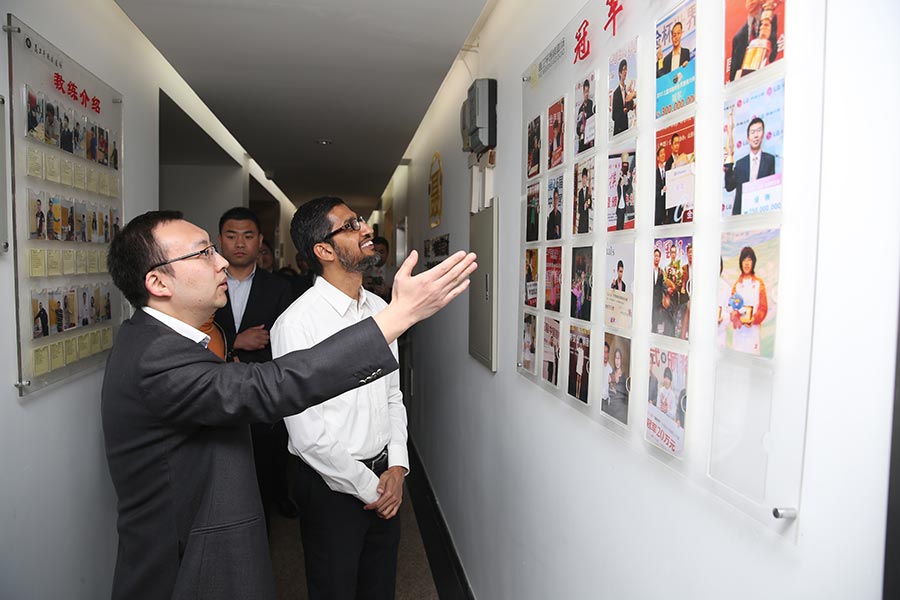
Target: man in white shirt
353	446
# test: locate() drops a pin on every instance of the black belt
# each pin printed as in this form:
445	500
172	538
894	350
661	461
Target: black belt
377	464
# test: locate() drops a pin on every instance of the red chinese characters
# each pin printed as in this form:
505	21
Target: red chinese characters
71	90
583	45
614	9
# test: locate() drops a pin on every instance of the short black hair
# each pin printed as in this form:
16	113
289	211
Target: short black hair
620	265
753	122
747	252
584	171
238	213
382	241
135	250
310	226
657	251
622	64
674	135
667	374
587	83
268	245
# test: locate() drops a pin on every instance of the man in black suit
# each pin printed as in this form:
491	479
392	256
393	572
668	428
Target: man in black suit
585	112
554	219
742	38
254	300
623	100
659	290
583	224
175	415
676	58
756	165
659	217
618	283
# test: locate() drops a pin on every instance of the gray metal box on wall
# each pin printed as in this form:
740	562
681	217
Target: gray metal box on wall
483	236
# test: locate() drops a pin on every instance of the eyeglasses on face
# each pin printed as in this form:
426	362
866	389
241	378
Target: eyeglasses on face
209	252
351	224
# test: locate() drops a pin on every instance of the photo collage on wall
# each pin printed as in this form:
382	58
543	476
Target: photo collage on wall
69	209
568	256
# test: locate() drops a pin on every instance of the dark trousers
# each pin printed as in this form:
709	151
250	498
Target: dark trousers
350	553
270	454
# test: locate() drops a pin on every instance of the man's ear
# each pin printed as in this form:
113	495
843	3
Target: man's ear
324	252
156	285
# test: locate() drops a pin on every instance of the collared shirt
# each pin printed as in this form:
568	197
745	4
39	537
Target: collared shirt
336	435
238	294
754	165
180	327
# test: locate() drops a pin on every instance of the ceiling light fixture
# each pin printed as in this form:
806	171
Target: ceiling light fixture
324	142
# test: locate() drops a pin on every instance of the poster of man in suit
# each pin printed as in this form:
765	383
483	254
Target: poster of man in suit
621	169
585	109
532	212
754	36
675	173
579	362
623	89
556	134
533	149
754	137
676	38
619	285
550	349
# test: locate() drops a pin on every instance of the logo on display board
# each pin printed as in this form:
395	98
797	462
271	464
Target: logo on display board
39	50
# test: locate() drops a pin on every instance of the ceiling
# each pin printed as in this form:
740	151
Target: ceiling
281	74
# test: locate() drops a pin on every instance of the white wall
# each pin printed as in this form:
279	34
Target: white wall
544	503
202	192
57	504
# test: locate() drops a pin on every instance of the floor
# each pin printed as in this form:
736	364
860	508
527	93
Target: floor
414	579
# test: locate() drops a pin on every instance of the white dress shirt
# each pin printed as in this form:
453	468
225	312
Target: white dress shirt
336	435
180	327
238	294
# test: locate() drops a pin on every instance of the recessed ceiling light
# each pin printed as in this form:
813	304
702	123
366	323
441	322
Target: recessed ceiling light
324	142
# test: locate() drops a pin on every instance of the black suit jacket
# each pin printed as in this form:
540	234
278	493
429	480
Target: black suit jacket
269	296
668	67
660	217
619	114
738	174
739	44
175	421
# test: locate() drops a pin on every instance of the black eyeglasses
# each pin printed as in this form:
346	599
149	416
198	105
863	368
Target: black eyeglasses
209	252
352	224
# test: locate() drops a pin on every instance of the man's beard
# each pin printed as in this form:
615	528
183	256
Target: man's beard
355	265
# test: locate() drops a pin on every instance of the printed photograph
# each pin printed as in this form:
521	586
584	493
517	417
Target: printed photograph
583	215
37	228
34	110
550	363
529	343
754	36
531	277
556	134
623	89
621	170
616	385
114	150
90	141
39	314
105	303
533	154
748	288
85	306
67	216
675	174
754	137
579	362
80	222
70	309
667	401
54	218
585	112
67	133
55	310
676	38
114	224
553	278
582	283
554	207
78	134
620	290
532	212
102	141
52	125
673	273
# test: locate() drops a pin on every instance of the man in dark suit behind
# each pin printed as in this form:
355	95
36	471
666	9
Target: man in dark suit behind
175	415
255	299
677	57
659	289
756	165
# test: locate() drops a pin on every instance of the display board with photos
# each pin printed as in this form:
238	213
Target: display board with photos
66	137
749	257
